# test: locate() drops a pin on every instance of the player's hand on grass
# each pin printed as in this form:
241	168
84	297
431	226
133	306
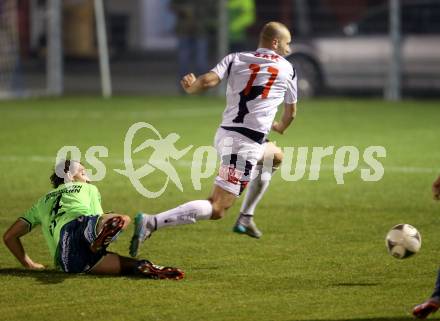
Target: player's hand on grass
436	189
35	266
187	81
276	126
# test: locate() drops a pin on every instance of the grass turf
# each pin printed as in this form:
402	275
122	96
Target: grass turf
322	255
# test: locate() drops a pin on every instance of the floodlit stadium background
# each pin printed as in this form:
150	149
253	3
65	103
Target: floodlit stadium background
322	256
362	47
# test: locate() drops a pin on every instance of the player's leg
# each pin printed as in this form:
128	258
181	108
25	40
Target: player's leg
108	228
188	213
260	180
74	252
114	264
431	305
238	155
110	264
105	218
221	201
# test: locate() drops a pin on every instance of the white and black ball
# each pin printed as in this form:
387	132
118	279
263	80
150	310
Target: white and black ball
403	241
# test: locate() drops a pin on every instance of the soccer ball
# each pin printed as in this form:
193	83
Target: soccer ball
403	241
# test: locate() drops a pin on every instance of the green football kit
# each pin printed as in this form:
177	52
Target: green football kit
61	206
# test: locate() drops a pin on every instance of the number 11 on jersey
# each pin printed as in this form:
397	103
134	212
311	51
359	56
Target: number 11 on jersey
251	92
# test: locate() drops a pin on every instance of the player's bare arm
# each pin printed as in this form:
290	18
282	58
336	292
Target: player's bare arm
194	85
11	238
436	189
287	118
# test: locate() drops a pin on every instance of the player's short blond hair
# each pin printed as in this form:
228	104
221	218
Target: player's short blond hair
272	30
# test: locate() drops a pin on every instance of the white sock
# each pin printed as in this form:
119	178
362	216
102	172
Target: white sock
256	189
187	213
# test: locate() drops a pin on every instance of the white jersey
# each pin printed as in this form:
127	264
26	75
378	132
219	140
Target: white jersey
258	82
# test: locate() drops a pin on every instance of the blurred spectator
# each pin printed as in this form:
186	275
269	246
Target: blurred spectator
241	15
10	77
195	20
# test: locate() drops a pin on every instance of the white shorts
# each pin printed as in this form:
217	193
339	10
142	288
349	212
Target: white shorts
238	155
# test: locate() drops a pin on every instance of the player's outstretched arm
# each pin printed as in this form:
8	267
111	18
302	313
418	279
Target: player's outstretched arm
287	118
11	238
194	85
436	189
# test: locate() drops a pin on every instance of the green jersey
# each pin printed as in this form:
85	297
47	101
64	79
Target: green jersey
60	206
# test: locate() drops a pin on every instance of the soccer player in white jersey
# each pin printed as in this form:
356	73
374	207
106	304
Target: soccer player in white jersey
257	83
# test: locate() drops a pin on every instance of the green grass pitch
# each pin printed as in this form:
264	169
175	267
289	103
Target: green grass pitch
322	255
